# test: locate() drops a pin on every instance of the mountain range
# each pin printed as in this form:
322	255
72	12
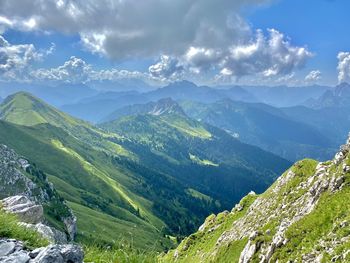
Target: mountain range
107	102
144	177
254	123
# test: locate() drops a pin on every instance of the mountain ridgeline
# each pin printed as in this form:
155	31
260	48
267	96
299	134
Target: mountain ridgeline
302	217
143	178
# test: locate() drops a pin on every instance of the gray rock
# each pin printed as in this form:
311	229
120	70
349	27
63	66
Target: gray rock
26	210
51	234
50	254
72	253
17	257
6	248
60	254
71	226
36	252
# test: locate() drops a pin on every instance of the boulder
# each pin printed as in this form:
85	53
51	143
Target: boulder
51	234
7	248
60	253
26	210
12	251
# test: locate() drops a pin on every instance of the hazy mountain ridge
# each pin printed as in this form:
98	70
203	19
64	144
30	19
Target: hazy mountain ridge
336	97
303	216
107	102
162	106
257	124
264	126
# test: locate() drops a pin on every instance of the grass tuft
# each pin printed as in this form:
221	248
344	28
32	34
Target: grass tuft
10	228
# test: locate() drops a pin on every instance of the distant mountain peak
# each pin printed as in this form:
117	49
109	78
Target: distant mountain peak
342	89
166	106
25	109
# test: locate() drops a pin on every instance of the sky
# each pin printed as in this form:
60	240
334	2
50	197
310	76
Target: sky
244	42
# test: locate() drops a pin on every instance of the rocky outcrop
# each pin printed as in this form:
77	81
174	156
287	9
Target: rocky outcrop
263	230
26	189
14	251
26	210
31	216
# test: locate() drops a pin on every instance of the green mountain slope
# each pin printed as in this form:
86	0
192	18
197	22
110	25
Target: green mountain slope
80	184
303	217
197	154
121	188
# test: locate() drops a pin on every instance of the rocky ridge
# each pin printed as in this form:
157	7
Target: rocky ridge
302	217
31	215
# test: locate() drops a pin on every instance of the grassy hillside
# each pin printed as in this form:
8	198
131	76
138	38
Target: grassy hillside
302	217
80	185
193	152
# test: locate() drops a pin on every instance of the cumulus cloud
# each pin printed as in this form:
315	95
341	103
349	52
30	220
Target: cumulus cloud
266	56
76	70
134	28
166	68
194	36
313	76
15	58
344	67
270	56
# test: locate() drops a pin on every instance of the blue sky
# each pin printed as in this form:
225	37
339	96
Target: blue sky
322	25
273	42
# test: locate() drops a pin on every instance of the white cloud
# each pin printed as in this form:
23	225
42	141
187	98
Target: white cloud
76	70
266	56
119	28
343	67
14	59
166	68
270	56
197	37
313	76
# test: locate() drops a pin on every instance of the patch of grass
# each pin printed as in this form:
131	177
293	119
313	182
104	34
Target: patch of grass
231	252
99	254
9	228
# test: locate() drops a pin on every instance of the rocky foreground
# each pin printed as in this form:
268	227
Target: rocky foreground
303	217
14	251
25	191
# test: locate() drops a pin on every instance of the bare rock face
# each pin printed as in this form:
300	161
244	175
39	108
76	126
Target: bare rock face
26	210
13	251
71	226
